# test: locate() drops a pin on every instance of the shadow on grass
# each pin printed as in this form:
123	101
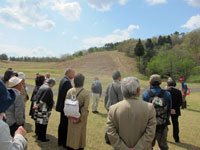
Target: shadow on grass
102	115
185	145
51	145
198	111
28	127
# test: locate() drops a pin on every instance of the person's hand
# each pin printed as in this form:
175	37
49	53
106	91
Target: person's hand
35	107
173	111
21	131
74	120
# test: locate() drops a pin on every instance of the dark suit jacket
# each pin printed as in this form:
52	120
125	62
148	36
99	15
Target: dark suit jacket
64	86
176	99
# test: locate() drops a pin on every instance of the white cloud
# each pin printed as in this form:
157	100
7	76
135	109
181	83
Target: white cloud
46	25
104	5
154	2
21	13
193	22
75	37
16	51
70	11
195	3
117	36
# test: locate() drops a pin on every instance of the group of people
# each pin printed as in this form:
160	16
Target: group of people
132	123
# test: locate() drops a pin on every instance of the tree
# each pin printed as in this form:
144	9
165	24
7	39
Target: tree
139	50
149	44
3	57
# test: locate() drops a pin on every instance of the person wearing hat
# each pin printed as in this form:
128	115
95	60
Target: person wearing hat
43	109
175	111
7	98
16	112
113	92
148	96
7	75
184	90
23	91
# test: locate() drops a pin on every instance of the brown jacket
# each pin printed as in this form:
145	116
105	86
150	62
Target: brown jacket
76	137
131	124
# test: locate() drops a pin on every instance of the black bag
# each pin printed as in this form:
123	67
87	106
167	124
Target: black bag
107	139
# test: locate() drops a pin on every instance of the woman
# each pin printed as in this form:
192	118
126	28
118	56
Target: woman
39	80
43	109
76	137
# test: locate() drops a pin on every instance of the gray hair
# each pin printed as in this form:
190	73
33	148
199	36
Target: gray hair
116	75
129	87
51	81
68	70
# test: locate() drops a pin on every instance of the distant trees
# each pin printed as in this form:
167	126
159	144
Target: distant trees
139	50
3	57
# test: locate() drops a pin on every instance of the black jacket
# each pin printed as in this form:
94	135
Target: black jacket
65	85
176	99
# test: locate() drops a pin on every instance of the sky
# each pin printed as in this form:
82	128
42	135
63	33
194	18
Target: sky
56	27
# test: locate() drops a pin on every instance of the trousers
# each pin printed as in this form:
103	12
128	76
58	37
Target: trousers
62	130
175	124
95	101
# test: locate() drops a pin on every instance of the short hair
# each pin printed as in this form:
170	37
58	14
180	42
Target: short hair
39	80
116	75
171	83
51	81
129	87
79	80
68	70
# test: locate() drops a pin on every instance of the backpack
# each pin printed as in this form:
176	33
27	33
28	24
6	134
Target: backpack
160	107
71	108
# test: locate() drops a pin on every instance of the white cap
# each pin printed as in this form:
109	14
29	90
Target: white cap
21	75
14	81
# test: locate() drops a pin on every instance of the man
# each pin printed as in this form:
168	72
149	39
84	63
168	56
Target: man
131	123
184	90
65	85
96	94
23	91
16	112
161	100
113	92
7	97
175	111
47	76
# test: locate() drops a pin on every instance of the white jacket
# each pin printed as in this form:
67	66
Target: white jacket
9	143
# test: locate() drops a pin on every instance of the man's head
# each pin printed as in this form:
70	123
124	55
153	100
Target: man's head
116	75
48	75
70	73
51	82
21	75
181	80
155	80
15	83
171	82
130	87
79	80
96	78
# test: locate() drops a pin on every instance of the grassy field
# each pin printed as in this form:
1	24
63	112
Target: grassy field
102	65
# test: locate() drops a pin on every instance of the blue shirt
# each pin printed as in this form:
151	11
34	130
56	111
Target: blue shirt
184	87
167	97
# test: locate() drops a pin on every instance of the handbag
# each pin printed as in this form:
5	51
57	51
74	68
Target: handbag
71	108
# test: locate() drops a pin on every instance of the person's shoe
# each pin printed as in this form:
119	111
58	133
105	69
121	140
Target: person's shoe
177	141
96	112
45	140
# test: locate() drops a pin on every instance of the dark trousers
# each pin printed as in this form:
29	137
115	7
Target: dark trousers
175	124
13	128
41	131
62	130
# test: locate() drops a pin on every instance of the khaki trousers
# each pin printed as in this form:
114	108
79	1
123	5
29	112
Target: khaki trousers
95	101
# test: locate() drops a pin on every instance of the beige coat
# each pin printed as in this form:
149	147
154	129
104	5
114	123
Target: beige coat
76	137
131	124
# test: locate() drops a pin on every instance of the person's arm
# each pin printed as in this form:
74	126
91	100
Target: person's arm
119	93
84	108
149	133
106	97
100	89
185	89
145	96
180	99
9	143
19	110
113	135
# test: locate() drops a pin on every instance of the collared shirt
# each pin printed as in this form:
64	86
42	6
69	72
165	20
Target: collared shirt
167	97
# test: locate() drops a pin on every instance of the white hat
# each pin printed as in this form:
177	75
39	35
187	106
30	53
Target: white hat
21	75
14	81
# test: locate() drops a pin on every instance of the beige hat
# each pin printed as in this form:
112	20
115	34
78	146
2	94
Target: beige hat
14	81
155	78
21	75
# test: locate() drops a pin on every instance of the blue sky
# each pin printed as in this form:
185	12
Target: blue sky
56	27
